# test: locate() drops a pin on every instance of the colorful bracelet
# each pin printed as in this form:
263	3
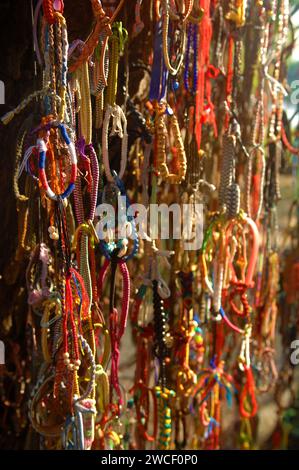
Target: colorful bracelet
42	148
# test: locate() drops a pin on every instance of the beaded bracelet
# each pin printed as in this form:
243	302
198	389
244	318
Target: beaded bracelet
42	148
236	12
103	24
159	75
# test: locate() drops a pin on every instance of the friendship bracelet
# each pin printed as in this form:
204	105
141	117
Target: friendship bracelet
42	148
